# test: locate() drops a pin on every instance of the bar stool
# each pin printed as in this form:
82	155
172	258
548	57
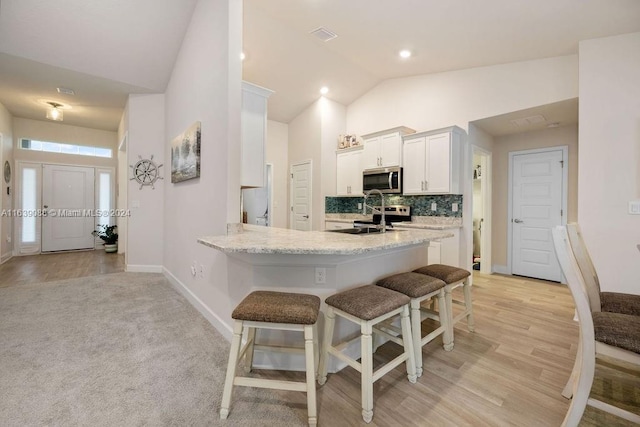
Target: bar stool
453	277
367	306
281	311
420	287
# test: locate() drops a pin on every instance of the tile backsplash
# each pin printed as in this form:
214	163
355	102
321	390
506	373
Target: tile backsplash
420	205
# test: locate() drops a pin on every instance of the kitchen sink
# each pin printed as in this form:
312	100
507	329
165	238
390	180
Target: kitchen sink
361	230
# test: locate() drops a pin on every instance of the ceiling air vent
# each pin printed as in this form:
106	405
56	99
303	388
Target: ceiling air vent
526	121
323	34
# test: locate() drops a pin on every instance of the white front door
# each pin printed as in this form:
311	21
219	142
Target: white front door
68	197
537	205
301	196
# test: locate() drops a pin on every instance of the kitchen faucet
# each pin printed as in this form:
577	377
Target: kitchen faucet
383	223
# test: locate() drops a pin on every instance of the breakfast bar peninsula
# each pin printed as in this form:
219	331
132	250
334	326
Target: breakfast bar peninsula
314	262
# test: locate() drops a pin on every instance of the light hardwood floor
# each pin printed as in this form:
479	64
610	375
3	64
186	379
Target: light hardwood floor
509	372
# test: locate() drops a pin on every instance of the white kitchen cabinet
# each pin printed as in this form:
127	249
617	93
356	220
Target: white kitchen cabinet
384	148
432	162
253	134
349	173
445	251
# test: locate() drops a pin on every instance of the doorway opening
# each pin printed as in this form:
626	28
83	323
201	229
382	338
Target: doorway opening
481	176
257	203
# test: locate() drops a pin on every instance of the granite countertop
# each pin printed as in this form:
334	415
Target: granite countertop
253	239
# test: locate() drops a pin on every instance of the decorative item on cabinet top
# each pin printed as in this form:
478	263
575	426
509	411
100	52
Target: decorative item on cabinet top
346	141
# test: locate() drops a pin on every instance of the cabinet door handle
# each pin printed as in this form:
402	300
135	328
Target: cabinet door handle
348	189
426	185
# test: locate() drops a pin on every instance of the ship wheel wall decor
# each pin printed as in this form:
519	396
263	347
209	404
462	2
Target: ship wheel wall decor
146	172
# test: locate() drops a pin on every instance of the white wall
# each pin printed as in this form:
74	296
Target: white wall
305	142
145	226
277	154
205	86
6	200
313	134
609	175
334	123
65	134
456	98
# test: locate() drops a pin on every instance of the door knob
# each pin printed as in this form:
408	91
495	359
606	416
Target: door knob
46	206
305	216
518	221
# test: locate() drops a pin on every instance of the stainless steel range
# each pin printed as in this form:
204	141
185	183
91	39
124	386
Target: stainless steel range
393	213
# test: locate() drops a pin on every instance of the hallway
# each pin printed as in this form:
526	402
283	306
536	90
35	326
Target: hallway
58	266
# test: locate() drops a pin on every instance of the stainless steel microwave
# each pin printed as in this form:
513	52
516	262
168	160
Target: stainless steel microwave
387	180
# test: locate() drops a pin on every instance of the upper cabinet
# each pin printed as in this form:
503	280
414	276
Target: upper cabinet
349	172
253	134
384	148
432	162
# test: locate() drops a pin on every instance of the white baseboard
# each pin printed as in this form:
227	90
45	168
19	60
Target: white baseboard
6	257
132	268
213	318
501	269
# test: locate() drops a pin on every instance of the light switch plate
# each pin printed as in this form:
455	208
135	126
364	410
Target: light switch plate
454	207
434	206
634	207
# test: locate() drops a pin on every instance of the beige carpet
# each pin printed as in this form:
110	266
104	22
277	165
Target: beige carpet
118	350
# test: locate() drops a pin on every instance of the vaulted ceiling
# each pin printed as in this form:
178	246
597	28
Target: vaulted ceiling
105	50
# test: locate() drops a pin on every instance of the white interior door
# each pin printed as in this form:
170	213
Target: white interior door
68	197
301	196
537	205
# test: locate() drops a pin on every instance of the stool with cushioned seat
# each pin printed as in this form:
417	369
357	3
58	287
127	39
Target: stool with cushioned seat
453	277
419	288
367	306
280	311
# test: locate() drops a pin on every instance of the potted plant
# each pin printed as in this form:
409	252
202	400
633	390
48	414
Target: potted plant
108	234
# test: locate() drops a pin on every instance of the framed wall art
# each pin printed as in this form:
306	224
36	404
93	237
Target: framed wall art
185	154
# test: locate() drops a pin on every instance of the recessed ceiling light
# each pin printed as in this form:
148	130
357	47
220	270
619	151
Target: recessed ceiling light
242	56
405	53
324	90
323	34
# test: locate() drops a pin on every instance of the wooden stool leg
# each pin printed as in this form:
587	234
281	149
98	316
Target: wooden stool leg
330	319
231	369
416	333
407	340
468	303
444	316
567	392
316	350
309	354
251	341
367	371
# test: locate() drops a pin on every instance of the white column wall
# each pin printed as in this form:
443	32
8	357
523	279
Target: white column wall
609	156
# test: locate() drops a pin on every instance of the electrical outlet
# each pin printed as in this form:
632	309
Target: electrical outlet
359	205
434	206
194	268
321	275
634	208
454	207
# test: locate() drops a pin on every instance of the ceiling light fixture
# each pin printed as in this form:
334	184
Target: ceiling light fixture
324	90
55	112
242	56
405	53
65	91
